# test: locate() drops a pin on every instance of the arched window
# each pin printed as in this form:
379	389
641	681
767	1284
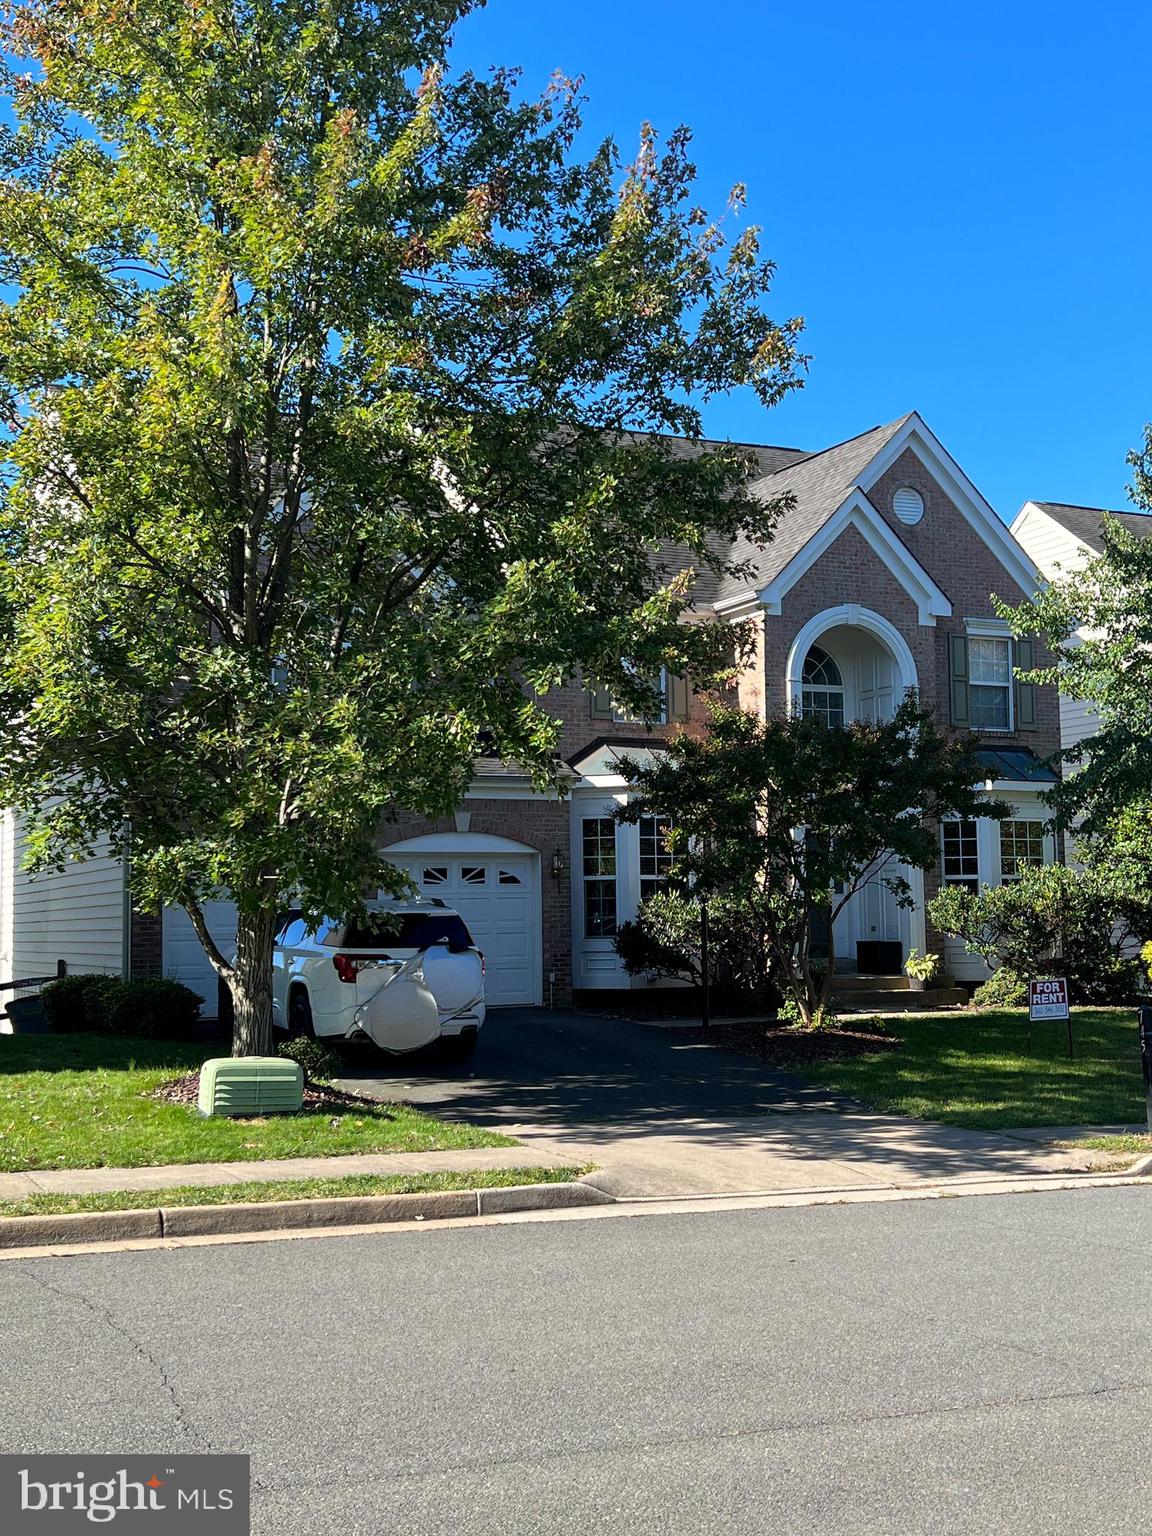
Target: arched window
822	688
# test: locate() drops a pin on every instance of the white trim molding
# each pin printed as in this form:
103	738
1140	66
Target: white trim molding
859	513
459	842
989	629
916	435
858	618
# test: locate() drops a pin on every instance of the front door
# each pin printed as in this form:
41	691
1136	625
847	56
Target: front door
872	917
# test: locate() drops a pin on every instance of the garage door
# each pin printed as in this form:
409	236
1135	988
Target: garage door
499	900
183	954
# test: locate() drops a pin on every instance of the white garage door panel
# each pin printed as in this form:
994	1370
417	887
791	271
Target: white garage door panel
183	955
502	916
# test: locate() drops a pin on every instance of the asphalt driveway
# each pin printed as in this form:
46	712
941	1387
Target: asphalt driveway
662	1112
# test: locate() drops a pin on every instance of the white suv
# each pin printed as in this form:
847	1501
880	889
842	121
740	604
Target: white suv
403	975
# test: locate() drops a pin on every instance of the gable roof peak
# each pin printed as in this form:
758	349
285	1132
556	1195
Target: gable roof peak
1085	523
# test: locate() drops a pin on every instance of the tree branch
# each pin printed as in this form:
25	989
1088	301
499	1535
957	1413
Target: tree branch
222	967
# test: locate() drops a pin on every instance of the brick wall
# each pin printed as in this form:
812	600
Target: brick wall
572	705
960	563
146	944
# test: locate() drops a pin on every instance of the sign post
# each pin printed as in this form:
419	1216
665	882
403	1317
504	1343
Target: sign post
1049	1000
1145	1017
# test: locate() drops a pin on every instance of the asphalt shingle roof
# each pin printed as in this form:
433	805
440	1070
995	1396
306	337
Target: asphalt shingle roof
1084	522
819	484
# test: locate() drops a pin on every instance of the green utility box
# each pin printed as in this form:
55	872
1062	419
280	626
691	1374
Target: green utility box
251	1085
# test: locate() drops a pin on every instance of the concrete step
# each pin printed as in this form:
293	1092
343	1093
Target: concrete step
845	982
890	1001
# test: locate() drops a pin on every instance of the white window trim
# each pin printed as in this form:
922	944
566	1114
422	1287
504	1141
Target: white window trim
582	884
854	616
988	843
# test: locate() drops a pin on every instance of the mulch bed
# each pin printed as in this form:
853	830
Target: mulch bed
186	1090
782	1046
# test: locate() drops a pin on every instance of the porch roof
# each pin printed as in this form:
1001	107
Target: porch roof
1017	765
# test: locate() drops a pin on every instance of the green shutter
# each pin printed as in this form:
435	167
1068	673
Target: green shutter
961	714
601	703
1025	692
679	697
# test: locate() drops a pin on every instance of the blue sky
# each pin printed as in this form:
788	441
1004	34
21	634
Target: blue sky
955	196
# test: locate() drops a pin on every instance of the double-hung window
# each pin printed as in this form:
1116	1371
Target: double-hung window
671	703
598	865
655	860
990	682
960	862
1021	847
989	686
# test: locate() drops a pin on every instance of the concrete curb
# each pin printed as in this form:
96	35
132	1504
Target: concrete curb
282	1215
1141	1167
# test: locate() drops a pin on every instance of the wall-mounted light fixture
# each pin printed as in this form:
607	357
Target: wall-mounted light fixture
558	865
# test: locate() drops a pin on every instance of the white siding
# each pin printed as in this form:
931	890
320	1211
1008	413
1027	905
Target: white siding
76	915
1077	720
1048	543
1055	550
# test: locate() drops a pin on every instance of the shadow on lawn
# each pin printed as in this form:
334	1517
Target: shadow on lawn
85	1052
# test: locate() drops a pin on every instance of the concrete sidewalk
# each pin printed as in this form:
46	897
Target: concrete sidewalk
798	1150
75	1181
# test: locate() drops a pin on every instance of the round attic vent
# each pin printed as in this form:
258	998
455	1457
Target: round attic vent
908	504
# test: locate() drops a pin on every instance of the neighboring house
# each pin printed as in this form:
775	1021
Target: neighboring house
1059	537
878	580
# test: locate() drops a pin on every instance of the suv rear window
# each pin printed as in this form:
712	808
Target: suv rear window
407	930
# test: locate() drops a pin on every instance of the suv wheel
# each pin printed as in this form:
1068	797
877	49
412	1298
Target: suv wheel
300	1014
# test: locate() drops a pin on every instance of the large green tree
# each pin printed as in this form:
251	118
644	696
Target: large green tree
330	377
1098	621
792	818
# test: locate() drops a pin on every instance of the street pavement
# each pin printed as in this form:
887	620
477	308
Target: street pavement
965	1367
663	1113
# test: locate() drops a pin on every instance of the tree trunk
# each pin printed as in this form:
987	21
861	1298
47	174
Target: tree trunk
251	984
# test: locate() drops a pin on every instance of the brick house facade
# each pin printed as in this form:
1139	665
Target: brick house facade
880	578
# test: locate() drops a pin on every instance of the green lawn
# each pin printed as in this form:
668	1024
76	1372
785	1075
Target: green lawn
975	1069
81	1101
284	1189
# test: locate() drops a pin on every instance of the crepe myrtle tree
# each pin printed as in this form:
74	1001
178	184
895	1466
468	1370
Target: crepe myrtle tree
801	815
1098	621
329	377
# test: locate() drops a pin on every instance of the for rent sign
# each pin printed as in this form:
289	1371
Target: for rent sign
1047	1000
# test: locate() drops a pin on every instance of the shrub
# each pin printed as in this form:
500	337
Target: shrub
320	1064
1053	921
665	941
1003	989
79	1002
789	1013
152	1008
